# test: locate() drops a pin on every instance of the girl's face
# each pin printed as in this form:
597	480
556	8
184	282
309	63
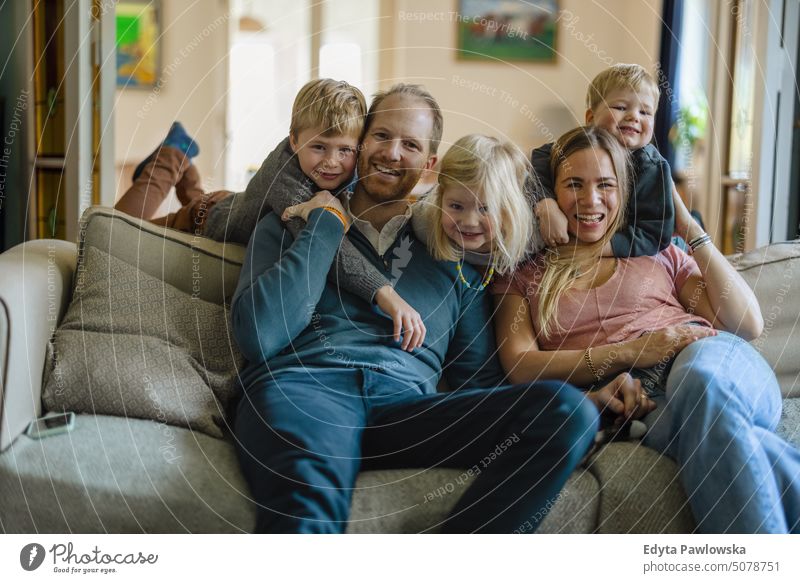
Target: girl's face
586	192
465	219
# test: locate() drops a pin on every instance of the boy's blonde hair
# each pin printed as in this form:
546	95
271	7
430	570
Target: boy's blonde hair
565	264
336	107
620	76
497	170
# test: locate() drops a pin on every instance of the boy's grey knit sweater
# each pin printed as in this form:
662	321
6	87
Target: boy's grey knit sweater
279	184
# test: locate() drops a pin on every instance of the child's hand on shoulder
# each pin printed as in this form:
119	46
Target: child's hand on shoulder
320	200
406	319
552	223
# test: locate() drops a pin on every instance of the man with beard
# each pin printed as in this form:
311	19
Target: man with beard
328	389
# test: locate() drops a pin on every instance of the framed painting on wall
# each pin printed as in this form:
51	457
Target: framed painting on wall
138	43
507	30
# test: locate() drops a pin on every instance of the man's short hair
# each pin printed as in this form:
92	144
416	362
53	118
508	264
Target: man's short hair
620	76
336	107
419	92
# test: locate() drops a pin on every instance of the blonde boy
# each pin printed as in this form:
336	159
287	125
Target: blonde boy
622	100
319	154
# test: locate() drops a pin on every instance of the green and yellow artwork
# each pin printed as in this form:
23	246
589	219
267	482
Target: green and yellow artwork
507	30
138	50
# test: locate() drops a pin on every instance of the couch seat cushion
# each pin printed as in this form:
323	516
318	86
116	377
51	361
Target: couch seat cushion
639	491
120	475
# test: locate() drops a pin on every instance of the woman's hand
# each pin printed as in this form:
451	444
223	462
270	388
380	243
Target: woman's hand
320	200
406	319
552	223
663	345
623	397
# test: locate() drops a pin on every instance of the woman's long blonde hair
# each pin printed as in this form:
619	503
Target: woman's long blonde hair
498	170
564	264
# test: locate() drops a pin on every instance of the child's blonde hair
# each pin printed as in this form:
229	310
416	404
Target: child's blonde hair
497	170
620	76
336	107
565	264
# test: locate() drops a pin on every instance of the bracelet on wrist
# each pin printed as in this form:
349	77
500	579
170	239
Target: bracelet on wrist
587	356
338	214
700	241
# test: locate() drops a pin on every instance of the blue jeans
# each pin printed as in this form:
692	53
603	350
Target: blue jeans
717	420
304	434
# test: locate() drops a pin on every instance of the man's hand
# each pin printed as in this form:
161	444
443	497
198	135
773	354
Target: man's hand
320	200
623	397
552	223
406	319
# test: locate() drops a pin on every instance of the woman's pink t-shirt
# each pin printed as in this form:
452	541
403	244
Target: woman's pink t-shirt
641	296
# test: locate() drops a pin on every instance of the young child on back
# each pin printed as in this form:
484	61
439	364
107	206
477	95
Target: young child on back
479	212
622	100
318	155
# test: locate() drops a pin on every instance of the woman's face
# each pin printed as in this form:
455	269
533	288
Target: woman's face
586	192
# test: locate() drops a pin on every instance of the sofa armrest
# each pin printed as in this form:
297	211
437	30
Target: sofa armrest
34	294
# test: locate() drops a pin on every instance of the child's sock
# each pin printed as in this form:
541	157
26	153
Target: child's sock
176	138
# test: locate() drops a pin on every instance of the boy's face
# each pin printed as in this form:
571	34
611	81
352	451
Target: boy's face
328	160
628	115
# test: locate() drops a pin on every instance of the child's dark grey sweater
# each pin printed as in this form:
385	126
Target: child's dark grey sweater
278	184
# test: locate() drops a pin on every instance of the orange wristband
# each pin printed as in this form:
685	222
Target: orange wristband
339	215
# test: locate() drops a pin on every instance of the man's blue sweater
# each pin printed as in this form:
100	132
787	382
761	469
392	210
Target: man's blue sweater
287	314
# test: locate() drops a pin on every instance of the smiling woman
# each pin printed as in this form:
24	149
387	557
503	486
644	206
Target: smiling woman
575	315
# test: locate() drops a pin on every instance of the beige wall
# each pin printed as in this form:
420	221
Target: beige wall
523	102
195	74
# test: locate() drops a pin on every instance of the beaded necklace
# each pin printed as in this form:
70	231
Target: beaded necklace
466	283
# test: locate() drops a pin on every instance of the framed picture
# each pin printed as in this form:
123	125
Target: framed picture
138	43
507	30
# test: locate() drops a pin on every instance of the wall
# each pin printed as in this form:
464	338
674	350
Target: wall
527	103
195	80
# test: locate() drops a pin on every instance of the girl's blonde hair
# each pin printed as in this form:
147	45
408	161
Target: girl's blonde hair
496	170
564	264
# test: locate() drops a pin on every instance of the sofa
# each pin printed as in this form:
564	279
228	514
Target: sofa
128	328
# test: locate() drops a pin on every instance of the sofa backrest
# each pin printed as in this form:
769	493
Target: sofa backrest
194	264
774	274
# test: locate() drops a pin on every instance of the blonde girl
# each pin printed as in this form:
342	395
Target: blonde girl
479	212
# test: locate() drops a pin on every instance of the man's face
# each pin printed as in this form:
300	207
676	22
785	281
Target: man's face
396	148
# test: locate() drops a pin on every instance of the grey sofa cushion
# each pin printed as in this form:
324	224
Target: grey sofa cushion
123	475
132	345
404	501
774	274
130	475
640	491
146	333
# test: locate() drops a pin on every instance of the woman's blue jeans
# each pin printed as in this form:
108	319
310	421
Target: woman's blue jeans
717	420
